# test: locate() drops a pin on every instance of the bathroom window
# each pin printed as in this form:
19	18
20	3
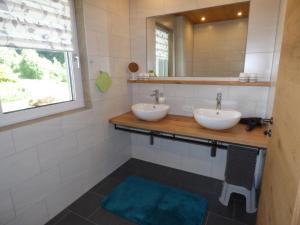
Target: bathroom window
162	50
39	63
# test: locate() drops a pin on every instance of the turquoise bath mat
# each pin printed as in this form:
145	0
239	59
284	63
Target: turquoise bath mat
150	203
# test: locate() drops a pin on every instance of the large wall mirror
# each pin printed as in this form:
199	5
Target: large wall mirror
208	42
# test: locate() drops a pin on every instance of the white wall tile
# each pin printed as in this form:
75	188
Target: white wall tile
170	153
63	197
119	69
29	136
18	168
248	93
261	110
119	7
145	8
97	64
137	27
141	148
34	215
196	159
35	189
138	47
181	5
53	152
98	43
89	137
261	39
7	145
92	176
219	165
264	13
260	63
210	92
180	90
119	25
144	153
77	121
278	45
119	47
75	166
91	12
99	4
7	212
194	103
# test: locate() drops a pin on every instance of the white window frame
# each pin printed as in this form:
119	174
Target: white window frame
11	118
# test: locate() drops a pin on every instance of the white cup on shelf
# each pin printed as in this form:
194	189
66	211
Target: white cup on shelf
244	77
253	77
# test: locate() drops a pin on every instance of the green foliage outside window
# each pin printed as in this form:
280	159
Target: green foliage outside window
29	67
32	64
21	69
4	77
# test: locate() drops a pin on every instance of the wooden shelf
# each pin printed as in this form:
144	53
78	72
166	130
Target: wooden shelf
202	82
187	126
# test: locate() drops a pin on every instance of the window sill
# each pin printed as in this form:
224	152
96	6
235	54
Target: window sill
41	119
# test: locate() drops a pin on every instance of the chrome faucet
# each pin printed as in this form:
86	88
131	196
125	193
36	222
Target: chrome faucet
155	95
219	103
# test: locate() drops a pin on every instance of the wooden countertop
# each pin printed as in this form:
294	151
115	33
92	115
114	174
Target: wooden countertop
187	126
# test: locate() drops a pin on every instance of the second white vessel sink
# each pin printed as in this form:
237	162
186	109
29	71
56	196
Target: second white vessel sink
150	112
217	120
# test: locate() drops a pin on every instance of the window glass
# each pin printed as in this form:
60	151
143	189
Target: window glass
162	51
33	78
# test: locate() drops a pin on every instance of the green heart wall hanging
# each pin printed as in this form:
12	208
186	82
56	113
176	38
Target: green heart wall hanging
103	82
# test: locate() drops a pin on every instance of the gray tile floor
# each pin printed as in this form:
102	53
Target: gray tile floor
87	211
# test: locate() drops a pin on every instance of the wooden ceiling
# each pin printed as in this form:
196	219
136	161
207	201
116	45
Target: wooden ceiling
219	13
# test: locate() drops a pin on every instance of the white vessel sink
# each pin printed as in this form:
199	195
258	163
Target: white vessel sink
150	112
209	118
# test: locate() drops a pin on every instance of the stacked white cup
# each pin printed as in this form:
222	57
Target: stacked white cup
244	77
253	77
248	77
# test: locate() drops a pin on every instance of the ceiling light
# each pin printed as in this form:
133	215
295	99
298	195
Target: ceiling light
240	13
203	18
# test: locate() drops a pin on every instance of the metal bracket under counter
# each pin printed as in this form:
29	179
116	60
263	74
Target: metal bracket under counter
214	144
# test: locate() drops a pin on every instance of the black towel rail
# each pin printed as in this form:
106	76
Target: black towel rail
214	144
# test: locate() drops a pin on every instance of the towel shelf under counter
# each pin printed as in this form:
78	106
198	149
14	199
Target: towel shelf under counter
185	129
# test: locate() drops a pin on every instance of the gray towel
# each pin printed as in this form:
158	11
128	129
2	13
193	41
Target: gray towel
240	167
